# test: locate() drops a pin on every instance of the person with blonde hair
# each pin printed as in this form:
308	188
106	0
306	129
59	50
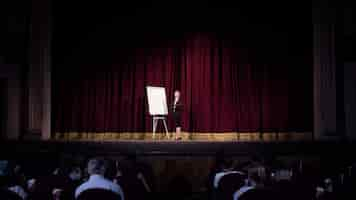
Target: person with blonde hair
177	114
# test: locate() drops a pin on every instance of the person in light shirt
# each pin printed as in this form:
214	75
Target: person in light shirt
97	168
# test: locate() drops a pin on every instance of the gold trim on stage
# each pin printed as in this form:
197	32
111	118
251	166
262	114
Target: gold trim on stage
226	136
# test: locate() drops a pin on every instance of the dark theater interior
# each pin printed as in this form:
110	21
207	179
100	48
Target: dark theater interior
188	100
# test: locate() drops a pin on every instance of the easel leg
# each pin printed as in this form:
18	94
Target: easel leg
165	126
154	125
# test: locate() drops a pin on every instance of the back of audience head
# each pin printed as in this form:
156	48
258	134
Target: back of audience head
224	164
31	185
75	173
98	166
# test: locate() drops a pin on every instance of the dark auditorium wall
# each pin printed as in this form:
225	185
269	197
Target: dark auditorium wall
347	59
14	17
10	76
3	108
350	99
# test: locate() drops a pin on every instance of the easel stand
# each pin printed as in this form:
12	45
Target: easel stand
155	123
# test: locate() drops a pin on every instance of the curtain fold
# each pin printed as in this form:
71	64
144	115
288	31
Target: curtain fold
225	87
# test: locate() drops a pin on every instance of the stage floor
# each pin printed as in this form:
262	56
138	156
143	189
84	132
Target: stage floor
199	137
177	148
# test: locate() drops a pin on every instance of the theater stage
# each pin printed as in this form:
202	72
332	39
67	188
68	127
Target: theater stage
178	148
186	136
204	144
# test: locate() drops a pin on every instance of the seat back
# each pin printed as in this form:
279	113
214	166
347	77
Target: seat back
97	194
9	195
228	184
258	194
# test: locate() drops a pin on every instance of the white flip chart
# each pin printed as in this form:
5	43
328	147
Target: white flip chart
157	101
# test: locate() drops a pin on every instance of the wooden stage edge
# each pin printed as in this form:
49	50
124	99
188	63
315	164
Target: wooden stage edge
203	144
211	137
177	148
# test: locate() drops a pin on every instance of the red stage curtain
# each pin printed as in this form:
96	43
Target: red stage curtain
226	87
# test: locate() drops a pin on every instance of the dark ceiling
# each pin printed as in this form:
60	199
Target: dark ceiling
80	26
75	24
14	29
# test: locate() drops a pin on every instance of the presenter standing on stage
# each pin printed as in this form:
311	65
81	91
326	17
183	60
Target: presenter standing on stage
177	114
